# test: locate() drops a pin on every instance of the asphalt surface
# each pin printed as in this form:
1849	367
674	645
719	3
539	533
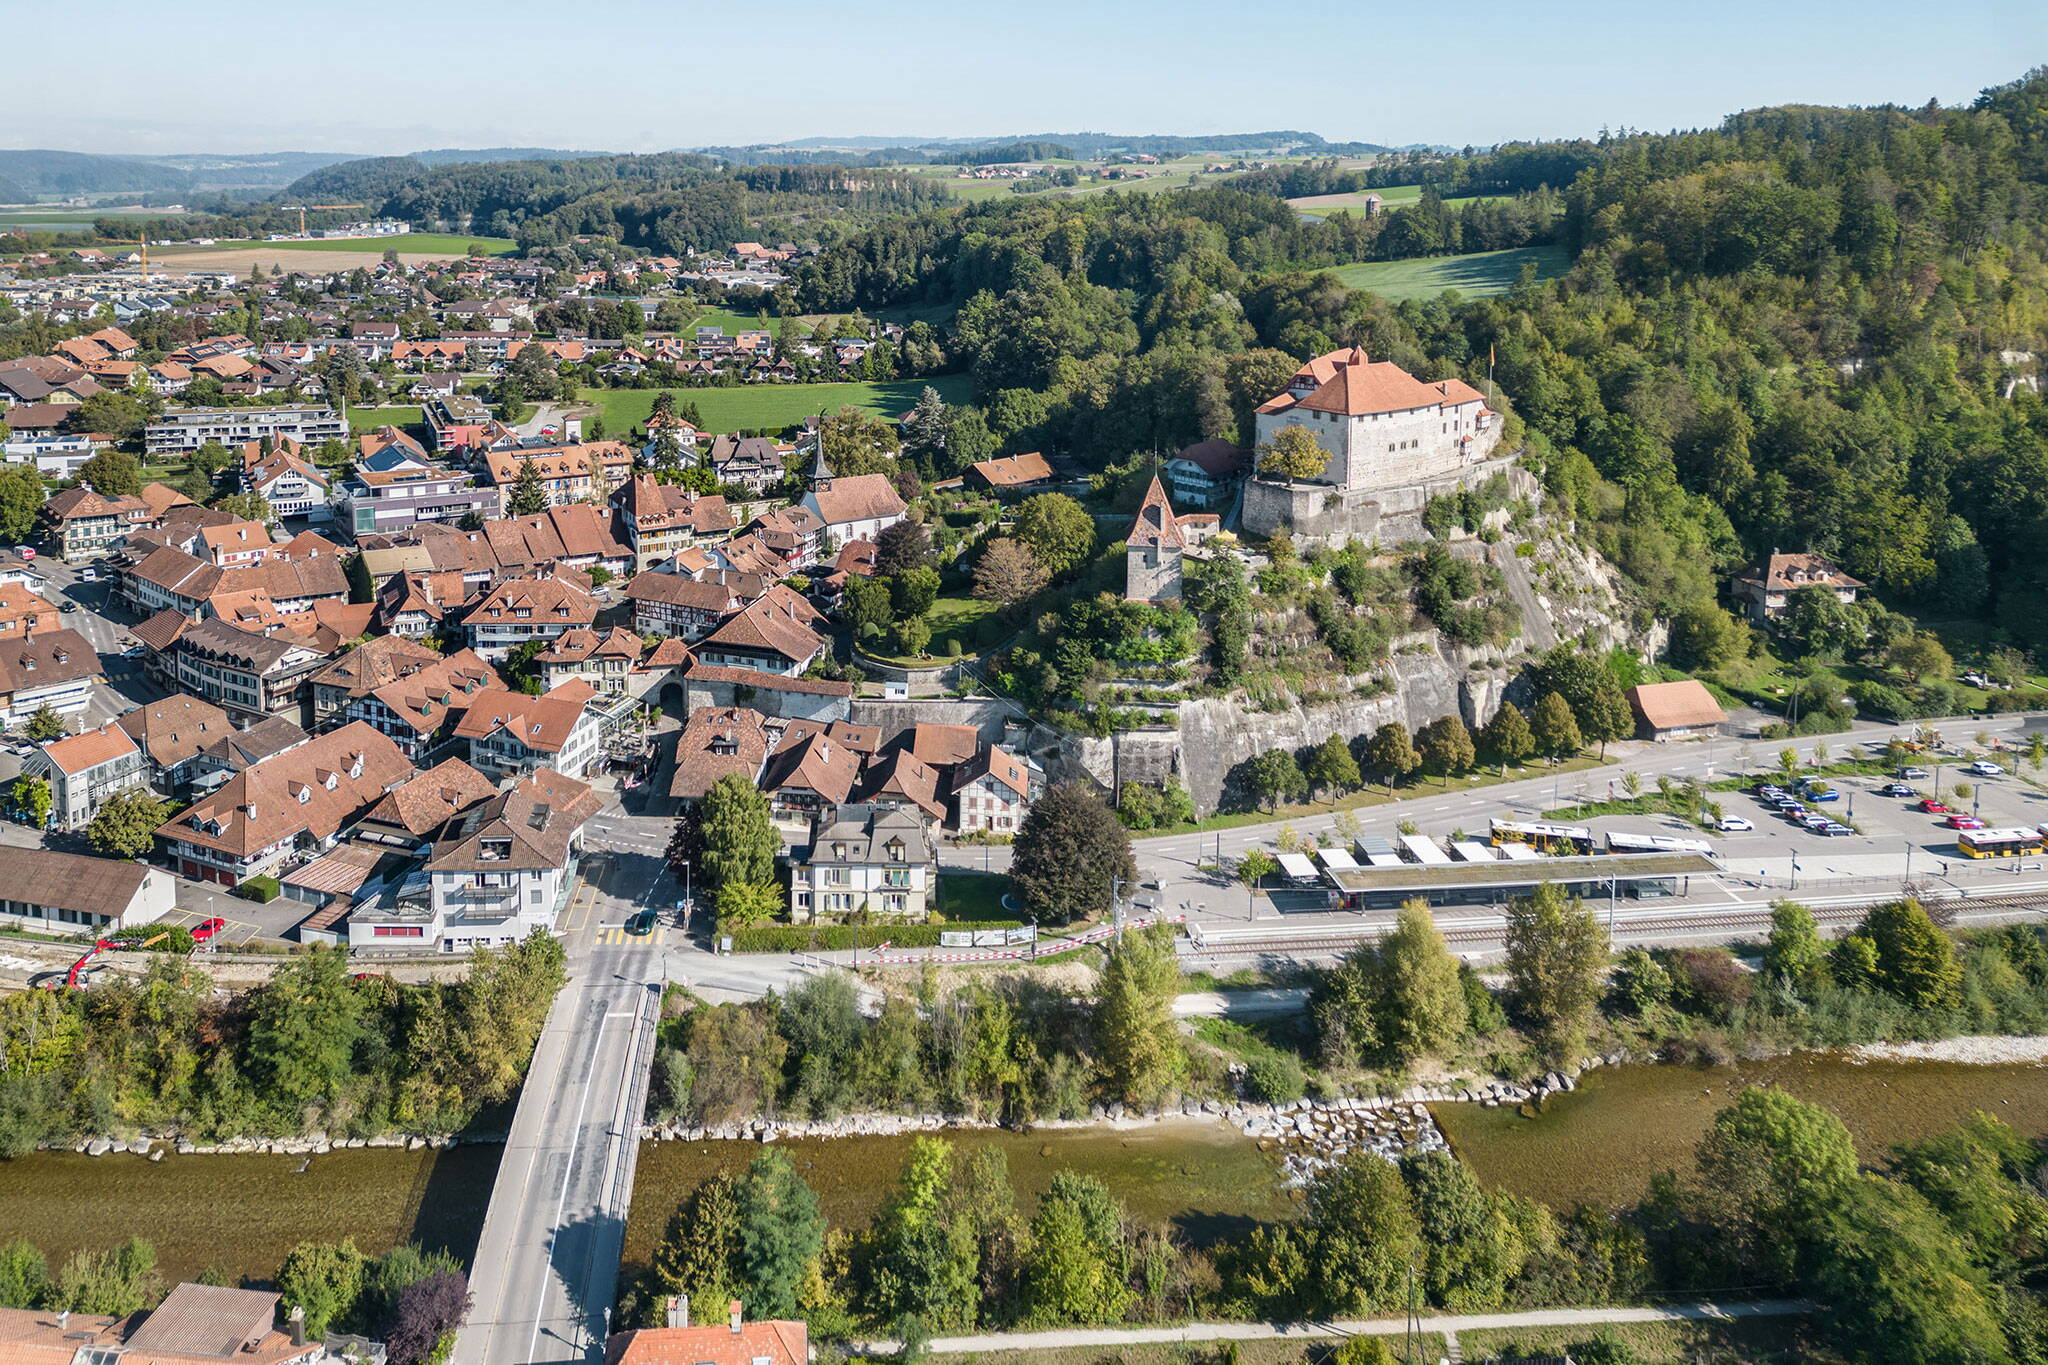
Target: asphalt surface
547	1262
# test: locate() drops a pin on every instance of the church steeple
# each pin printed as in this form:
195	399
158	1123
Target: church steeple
821	473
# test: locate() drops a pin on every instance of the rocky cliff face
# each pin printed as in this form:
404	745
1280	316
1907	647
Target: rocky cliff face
1564	591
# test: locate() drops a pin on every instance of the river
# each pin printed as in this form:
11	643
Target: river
1601	1143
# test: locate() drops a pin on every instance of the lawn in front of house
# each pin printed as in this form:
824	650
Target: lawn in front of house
754	407
369	419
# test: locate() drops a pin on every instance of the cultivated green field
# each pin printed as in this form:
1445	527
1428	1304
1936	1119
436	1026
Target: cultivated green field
1479	275
428	243
771	406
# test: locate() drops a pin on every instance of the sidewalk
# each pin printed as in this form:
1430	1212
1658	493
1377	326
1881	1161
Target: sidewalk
1323	1331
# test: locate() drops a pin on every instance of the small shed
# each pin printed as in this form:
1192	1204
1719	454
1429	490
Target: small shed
1675	710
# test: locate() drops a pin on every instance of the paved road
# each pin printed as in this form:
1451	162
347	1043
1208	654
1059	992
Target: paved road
1447	1325
547	1262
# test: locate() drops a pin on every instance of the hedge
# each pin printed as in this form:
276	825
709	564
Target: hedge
262	890
804	938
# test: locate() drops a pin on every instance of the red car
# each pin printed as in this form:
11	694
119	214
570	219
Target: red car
207	928
1932	806
1958	820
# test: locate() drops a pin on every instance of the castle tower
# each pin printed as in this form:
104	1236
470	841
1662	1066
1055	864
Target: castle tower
1153	551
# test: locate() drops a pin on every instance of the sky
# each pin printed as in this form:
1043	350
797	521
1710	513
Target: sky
380	77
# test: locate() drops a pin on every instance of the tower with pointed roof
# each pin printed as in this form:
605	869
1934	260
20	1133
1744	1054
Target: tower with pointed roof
1153	551
821	473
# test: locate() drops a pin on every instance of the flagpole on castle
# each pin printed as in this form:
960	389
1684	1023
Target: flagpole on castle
1489	375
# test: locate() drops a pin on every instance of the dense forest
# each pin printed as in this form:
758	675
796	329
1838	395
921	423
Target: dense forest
1808	328
313	1049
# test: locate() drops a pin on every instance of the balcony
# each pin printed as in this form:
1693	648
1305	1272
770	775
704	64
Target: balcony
503	899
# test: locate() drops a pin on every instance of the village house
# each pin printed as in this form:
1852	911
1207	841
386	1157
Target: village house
379	660
58	670
295	803
87	525
991	792
567	474
170	732
770	635
661	520
863	858
247	673
1206	474
419	711
523	609
715	742
498	871
1024	473
512	733
286	480
377	500
670	604
735	1342
85	770
604	659
1764	590
23	612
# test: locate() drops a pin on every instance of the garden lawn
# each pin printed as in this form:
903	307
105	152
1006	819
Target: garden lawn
969	620
1479	275
733	323
369	419
772	406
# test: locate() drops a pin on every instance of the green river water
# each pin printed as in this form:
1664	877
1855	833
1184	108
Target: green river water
1599	1144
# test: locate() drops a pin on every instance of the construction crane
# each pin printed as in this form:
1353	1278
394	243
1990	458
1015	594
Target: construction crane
301	211
142	242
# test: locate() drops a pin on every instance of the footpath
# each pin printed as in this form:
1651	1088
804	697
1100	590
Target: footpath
1446	1326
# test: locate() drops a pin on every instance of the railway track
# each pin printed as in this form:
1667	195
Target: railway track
1733	921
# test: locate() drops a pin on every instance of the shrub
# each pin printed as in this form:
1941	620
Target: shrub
262	890
1275	1078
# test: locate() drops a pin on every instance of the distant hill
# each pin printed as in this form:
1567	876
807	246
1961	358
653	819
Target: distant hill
446	156
45	173
11	193
1083	145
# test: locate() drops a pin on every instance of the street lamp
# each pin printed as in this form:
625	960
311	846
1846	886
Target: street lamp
687	907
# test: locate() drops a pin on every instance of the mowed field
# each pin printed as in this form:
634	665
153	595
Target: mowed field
1478	275
1392	197
771	406
323	256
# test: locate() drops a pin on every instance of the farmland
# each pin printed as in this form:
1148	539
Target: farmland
1479	275
770	407
410	244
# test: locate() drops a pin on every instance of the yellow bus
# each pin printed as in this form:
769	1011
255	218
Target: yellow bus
1999	843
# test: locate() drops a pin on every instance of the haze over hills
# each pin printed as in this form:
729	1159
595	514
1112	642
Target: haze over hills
29	174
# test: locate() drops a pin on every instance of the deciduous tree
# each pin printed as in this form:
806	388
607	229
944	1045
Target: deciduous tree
1554	728
1331	767
1507	737
1446	746
1058	530
1393	756
1277	777
126	825
1554	959
1139	1040
740	842
1008	573
1294	453
1422	1001
1069	852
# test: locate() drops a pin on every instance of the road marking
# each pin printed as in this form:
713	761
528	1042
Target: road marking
540	1295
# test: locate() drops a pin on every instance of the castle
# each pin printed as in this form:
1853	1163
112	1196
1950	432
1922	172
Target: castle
1392	440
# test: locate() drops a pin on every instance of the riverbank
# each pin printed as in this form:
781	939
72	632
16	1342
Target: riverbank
1978	1050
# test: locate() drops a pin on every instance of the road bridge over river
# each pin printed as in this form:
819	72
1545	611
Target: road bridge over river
547	1262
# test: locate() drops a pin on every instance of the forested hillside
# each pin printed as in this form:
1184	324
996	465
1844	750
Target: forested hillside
671	202
1797	330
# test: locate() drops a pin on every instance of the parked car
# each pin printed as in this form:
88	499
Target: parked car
69	605
207	929
1734	824
88	574
1984	767
1823	794
27	553
1896	789
1834	830
1932	806
1958	820
1976	679
1914	774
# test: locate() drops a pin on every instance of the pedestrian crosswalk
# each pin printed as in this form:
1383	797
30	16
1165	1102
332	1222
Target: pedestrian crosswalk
618	935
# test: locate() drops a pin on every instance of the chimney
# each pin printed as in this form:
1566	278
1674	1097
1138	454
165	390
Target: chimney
250	810
734	1309
64	1320
295	1323
678	1310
